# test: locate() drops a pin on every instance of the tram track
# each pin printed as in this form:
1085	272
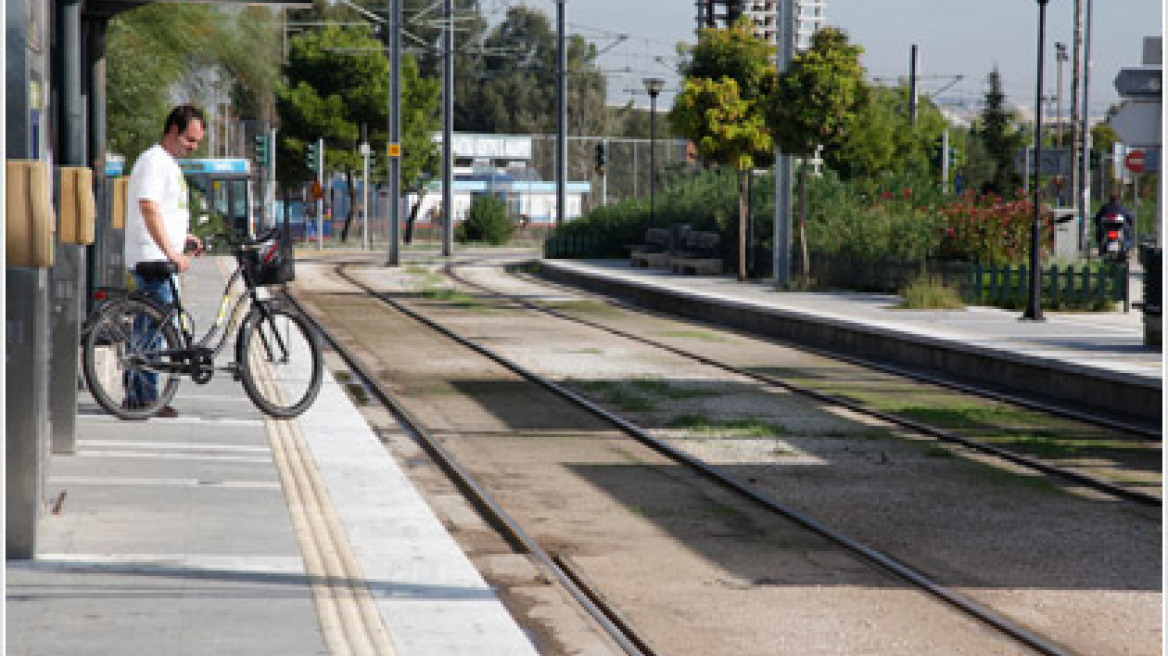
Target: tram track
1029	462
579	590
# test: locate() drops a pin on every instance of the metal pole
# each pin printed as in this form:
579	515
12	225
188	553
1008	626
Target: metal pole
604	180
1085	128
448	129
561	114
393	198
365	196
652	159
912	84
782	221
1034	300
945	160
271	199
320	201
1076	73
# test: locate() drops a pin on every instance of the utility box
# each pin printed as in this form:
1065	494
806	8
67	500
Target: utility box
1066	234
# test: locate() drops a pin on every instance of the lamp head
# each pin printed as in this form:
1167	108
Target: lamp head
654	85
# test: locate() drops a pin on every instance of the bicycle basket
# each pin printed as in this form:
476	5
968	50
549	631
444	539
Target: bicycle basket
271	263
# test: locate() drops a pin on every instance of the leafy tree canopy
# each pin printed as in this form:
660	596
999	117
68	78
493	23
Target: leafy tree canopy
337	80
817	97
735	53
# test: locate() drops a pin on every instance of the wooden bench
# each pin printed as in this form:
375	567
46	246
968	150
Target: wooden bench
700	255
654	253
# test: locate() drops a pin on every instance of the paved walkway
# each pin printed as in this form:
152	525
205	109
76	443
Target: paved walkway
221	532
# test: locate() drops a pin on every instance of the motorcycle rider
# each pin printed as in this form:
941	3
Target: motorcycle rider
1113	210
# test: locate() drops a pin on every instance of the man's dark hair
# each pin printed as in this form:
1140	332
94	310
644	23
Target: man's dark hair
181	116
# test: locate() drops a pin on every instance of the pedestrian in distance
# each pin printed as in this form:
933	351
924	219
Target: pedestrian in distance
158	225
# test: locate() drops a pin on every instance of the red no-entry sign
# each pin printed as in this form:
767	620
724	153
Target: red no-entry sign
1134	161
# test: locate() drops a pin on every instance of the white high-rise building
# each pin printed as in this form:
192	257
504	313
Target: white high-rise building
810	16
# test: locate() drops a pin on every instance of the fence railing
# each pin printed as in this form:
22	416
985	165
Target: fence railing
1091	285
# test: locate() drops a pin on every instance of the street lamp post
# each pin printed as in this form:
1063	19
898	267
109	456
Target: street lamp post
1034	300
653	85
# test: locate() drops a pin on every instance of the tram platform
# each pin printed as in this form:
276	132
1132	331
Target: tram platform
1096	361
221	532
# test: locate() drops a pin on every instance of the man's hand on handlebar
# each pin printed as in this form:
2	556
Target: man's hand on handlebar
193	246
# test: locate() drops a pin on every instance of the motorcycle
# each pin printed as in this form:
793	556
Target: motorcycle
1113	241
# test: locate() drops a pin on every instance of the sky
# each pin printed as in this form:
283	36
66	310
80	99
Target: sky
953	38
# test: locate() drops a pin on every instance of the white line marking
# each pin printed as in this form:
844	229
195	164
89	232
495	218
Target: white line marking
176	446
163	482
170	456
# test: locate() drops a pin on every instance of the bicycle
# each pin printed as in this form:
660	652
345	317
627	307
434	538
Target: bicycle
133	341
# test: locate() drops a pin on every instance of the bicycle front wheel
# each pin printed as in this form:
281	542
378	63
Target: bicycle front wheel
126	350
279	361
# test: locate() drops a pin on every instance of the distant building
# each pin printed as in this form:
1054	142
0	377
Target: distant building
765	14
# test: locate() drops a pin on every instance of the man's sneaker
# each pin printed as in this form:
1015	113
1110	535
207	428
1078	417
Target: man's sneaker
167	412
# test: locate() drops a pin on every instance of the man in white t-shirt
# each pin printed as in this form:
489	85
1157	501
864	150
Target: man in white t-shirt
158	225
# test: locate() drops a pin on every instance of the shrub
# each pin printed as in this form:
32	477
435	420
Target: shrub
486	222
931	293
990	229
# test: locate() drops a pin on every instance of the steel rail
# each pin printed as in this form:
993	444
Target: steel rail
592	602
870	554
1034	464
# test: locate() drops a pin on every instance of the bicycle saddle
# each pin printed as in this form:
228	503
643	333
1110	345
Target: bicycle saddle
156	269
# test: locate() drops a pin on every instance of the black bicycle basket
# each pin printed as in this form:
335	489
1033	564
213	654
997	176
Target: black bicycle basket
271	263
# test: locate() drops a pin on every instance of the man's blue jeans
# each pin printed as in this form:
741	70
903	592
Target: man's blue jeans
142	386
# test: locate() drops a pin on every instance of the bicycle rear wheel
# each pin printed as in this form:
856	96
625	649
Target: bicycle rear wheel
126	343
279	360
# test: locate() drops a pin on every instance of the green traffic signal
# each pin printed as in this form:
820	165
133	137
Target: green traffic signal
311	159
262	152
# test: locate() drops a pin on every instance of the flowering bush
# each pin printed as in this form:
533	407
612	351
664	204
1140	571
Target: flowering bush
990	229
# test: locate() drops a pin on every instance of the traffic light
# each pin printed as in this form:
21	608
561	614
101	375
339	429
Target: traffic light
601	158
311	157
262	150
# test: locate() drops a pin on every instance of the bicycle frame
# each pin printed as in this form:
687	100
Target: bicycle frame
186	359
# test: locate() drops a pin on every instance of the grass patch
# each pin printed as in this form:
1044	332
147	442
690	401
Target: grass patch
699	335
936	451
662	388
617	394
748	427
580	306
930	293
358	392
453	297
342	376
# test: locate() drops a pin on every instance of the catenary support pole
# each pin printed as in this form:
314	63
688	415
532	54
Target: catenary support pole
1085	127
782	227
448	128
561	115
393	164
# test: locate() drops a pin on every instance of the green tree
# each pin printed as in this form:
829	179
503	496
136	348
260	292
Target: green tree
998	131
150	48
721	108
336	81
815	104
816	99
516	87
